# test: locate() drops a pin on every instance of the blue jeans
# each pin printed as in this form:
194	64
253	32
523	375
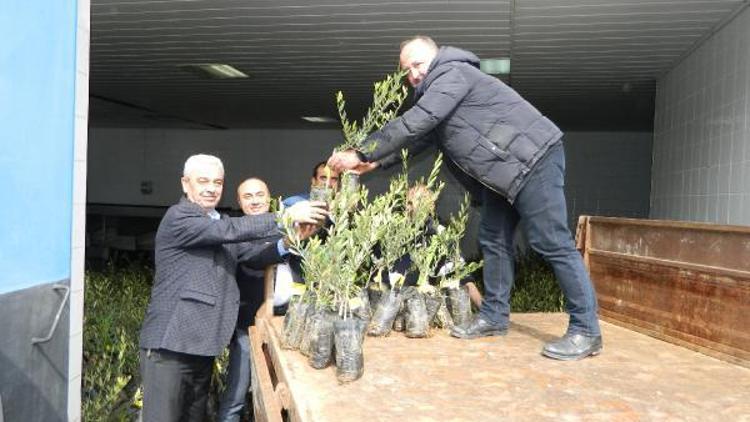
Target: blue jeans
540	209
238	377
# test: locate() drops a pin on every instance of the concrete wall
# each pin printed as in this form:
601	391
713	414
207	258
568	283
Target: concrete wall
701	168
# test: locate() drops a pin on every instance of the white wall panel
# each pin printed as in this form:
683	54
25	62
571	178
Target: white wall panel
702	132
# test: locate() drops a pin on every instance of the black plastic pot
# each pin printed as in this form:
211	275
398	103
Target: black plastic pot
295	329
349	357
375	292
443	319
459	304
364	311
321	339
416	319
433	301
290	318
385	313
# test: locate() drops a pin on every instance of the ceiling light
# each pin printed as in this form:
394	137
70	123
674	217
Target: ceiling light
495	66
214	70
319	119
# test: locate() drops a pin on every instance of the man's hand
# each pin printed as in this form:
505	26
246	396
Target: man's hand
307	212
344	160
304	231
366	167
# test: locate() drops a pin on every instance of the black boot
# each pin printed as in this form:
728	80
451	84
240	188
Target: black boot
573	347
479	327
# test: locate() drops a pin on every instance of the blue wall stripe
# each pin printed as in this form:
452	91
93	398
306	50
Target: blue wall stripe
37	114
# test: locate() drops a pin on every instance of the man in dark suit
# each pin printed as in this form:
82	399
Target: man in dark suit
254	198
194	300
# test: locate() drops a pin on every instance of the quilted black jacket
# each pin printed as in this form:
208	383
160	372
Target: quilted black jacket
487	130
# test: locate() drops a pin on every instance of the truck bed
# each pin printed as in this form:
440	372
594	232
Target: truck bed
637	377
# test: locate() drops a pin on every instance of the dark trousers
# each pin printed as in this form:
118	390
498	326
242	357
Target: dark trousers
541	210
238	377
175	385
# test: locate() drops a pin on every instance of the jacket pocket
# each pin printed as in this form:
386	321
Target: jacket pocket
495	150
502	136
198	296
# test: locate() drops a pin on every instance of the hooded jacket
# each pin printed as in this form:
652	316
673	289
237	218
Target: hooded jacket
487	130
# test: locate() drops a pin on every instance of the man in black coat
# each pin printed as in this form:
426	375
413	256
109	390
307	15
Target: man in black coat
194	301
254	198
510	157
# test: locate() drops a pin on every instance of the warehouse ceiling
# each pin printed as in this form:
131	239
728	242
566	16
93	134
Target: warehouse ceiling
588	64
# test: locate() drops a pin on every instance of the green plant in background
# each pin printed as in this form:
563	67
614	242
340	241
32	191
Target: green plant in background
388	96
535	288
115	303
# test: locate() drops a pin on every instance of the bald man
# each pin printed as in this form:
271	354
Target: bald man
508	155
254	198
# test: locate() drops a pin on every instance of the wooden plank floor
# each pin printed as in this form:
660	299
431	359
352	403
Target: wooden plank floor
636	378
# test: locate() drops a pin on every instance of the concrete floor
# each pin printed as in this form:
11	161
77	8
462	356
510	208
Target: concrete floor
636	378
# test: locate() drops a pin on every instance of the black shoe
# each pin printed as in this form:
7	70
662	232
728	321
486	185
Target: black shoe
573	347
479	327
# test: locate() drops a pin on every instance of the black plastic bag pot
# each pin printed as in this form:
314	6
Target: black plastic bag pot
398	322
295	329
305	345
375	292
349	182
385	313
349	357
443	319
362	310
433	301
459	303
416	320
289	320
321	339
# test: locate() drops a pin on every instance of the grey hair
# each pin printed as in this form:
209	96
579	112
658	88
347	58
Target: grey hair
423	38
194	162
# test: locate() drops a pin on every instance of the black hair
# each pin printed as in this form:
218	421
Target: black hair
317	166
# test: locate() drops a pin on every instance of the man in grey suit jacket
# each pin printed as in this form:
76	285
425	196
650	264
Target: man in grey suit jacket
193	309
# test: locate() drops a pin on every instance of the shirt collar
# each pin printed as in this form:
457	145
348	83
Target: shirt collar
214	215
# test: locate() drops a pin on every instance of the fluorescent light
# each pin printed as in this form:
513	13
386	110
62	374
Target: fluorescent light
214	70
495	66
319	119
